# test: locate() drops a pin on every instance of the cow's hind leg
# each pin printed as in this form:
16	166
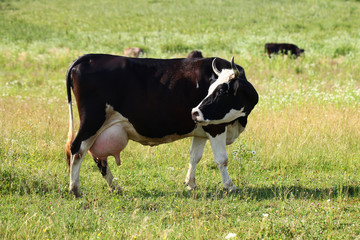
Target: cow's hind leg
196	152
105	171
75	164
90	124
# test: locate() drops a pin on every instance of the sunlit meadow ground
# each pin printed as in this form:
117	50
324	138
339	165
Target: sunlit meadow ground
297	164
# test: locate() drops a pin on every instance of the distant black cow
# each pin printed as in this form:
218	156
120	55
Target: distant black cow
155	101
283	48
195	54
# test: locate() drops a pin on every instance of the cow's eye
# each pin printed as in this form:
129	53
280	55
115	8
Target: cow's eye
223	91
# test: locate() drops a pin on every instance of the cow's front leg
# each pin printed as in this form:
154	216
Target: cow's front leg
108	176
218	146
196	152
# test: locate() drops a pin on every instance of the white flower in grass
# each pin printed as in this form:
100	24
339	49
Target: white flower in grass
230	235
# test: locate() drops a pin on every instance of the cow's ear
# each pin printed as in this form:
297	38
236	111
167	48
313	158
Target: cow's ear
234	87
212	79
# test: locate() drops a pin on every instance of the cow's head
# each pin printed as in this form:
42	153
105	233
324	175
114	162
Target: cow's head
231	96
299	51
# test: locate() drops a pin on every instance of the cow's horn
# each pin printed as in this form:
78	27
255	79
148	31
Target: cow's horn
234	68
214	67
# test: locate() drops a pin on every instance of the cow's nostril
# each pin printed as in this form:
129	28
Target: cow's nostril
195	115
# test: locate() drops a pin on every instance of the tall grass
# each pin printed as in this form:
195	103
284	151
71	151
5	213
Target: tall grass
296	164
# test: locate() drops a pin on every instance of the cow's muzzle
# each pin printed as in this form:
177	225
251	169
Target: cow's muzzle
197	115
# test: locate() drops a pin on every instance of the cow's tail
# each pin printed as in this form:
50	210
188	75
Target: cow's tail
70	137
69	85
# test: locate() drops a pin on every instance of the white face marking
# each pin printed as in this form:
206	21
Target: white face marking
225	76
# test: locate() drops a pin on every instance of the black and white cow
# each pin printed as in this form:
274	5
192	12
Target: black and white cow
155	101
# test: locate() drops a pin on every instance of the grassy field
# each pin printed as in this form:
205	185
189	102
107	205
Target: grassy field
297	164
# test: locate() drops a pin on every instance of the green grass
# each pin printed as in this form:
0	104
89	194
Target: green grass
297	164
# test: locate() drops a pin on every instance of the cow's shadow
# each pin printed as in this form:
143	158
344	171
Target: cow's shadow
298	192
262	193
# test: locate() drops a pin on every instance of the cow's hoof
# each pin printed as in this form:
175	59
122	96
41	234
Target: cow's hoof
232	189
191	188
114	187
117	190
190	184
76	191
